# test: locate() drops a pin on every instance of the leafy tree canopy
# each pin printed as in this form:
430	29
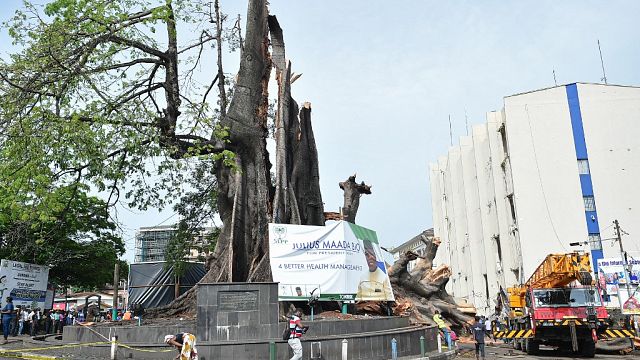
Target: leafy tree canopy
102	97
102	94
76	238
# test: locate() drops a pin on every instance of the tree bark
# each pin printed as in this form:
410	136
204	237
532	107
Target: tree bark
285	205
422	291
306	171
247	200
352	193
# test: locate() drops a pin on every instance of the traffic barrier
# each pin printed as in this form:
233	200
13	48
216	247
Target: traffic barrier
615	333
513	334
345	349
394	349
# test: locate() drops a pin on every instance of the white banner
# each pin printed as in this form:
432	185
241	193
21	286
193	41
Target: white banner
611	276
25	283
340	261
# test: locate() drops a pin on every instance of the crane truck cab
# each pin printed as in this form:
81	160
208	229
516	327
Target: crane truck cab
570	317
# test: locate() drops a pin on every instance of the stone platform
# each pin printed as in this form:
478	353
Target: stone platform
240	321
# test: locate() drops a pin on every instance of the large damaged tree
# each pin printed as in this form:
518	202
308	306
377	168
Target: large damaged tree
101	100
421	291
103	95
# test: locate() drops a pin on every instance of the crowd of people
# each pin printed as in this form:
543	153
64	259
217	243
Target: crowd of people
23	320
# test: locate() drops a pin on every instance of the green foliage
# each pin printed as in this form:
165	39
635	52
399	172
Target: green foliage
76	238
85	106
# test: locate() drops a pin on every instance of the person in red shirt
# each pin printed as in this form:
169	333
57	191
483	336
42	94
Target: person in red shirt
297	329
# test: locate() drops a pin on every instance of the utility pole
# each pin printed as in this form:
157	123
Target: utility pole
116	280
625	264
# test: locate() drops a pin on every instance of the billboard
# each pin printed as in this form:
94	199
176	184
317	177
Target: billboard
611	277
339	261
25	283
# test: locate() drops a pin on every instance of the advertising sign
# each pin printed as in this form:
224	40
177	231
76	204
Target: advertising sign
340	261
612	278
25	283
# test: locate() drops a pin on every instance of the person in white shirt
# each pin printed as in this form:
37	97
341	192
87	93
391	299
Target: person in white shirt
24	321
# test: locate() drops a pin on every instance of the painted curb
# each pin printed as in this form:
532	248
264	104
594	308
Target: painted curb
27	355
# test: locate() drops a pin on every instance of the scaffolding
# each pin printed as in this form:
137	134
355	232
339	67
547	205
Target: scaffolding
151	243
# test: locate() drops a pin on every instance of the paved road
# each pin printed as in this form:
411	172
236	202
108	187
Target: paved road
468	352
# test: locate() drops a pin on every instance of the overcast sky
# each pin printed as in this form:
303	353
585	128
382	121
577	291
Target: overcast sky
383	77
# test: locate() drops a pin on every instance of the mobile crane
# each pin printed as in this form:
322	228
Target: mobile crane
558	306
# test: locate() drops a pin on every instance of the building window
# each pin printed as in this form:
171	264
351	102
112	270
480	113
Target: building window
512	207
589	203
583	167
503	137
595	242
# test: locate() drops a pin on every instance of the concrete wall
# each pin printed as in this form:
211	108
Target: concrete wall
449	227
217	321
435	182
508	243
549	205
480	297
156	333
611	121
487	209
370	345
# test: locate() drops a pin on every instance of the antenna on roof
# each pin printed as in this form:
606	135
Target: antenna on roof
450	132
555	81
466	121
604	75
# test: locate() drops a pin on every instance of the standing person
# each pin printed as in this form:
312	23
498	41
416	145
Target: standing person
186	345
24	320
55	321
63	320
437	318
17	322
35	319
297	329
478	330
8	314
46	317
30	321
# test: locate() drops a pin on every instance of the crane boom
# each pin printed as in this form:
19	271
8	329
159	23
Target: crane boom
558	270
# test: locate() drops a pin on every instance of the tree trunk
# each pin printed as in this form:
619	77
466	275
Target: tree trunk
422	291
352	193
285	205
297	199
247	200
306	172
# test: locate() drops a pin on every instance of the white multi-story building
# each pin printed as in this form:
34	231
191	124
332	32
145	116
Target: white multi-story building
553	167
152	241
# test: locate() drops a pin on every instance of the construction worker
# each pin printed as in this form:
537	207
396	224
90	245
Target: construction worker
437	318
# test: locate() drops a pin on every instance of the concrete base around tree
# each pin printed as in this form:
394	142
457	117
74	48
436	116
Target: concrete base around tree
374	345
240	321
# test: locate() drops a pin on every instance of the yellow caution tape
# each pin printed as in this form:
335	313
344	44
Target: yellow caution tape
56	347
8	352
144	350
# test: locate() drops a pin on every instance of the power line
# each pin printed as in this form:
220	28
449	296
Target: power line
544	195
